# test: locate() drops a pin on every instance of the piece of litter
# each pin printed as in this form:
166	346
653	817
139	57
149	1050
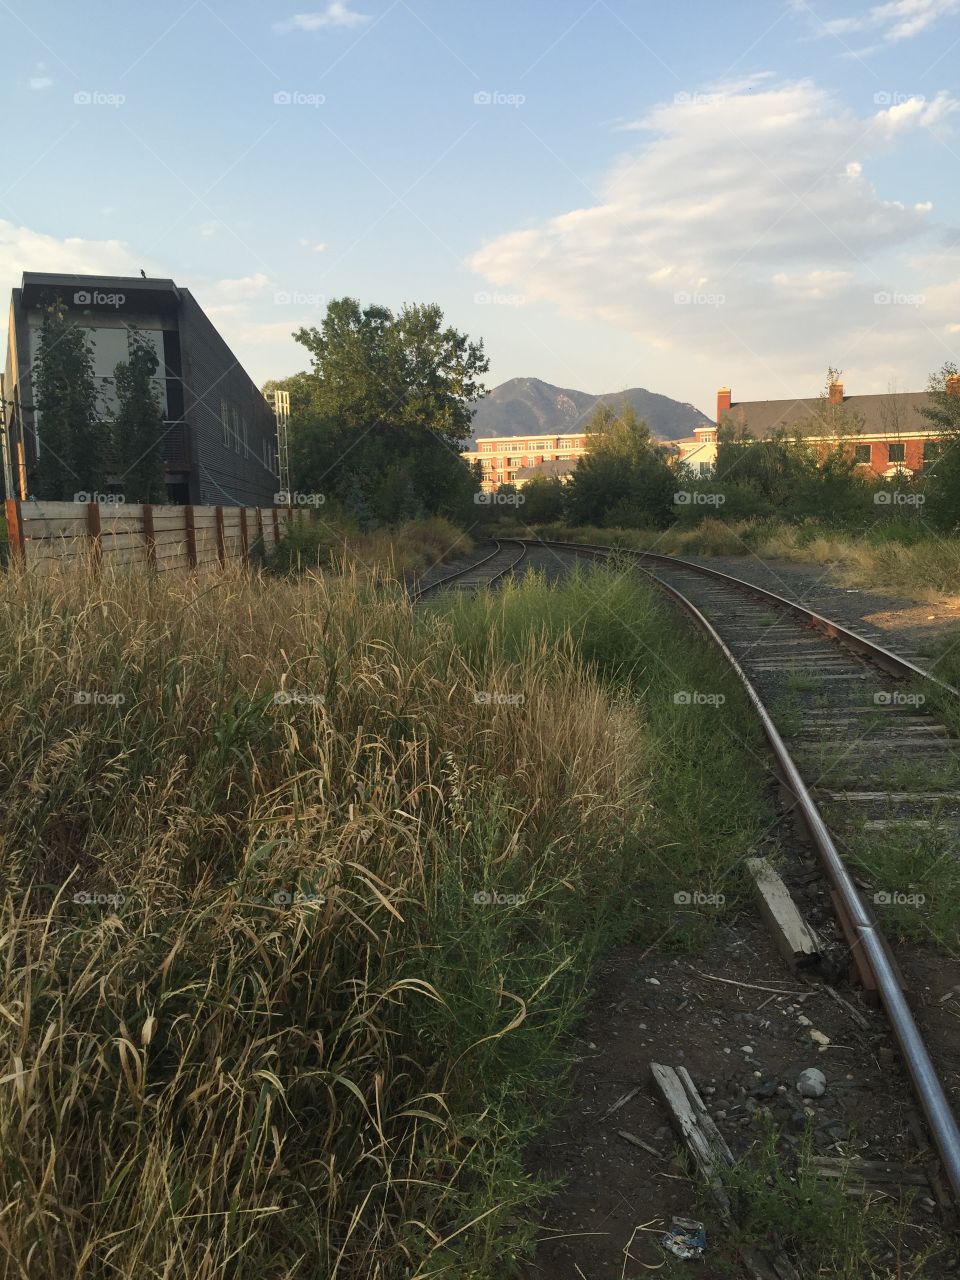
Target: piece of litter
653	982
820	1038
685	1238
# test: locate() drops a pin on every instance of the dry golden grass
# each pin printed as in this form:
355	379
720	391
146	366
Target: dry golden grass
924	568
208	1080
330	540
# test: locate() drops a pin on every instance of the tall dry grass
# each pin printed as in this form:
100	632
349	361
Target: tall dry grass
252	1021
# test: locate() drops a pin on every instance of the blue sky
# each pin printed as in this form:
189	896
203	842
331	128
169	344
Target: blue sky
611	194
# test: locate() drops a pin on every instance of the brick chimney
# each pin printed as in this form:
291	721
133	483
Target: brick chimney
836	393
723	403
953	384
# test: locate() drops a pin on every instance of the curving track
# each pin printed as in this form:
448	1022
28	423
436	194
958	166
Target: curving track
507	555
841	701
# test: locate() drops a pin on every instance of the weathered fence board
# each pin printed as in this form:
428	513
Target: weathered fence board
41	534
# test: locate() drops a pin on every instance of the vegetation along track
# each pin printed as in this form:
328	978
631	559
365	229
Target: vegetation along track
506	556
856	731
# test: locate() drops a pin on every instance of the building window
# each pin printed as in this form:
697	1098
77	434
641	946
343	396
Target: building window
896	453
861	453
932	453
486	448
225	419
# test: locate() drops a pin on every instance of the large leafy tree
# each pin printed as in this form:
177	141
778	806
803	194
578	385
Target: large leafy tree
388	408
74	442
138	428
623	479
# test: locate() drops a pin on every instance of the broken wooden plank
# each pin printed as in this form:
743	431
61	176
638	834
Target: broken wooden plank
791	933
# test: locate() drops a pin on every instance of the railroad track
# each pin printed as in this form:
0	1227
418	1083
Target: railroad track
507	554
865	762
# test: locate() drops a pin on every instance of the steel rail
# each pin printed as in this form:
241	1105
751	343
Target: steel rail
892	663
500	544
926	1083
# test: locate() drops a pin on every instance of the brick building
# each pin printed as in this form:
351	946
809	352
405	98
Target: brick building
886	434
502	458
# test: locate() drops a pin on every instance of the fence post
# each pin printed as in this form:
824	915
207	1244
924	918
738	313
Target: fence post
276	526
149	535
191	531
244	537
260	526
15	532
93	531
221	539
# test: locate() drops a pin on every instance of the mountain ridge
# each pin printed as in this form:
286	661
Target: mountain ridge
530	406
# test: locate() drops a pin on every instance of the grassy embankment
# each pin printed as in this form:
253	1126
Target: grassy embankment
897	558
329	539
302	894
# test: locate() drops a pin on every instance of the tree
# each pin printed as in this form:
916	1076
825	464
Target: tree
942	507
623	478
389	406
138	428
74	444
543	500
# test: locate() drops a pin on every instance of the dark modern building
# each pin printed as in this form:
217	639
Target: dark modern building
220	446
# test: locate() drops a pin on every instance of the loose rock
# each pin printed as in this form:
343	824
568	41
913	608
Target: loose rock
812	1083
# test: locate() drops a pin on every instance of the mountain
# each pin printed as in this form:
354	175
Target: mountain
527	406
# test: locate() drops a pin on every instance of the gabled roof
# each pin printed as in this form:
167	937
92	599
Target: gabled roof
893	413
555	467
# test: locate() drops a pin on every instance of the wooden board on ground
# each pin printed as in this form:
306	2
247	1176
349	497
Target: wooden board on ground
793	936
711	1155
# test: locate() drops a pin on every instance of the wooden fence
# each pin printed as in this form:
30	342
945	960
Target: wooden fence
135	534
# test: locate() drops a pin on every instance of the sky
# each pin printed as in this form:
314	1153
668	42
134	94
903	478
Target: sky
610	193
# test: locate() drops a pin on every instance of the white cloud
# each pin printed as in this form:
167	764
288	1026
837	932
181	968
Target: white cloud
22	249
243	288
336	14
895	20
724	234
38	83
916	112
